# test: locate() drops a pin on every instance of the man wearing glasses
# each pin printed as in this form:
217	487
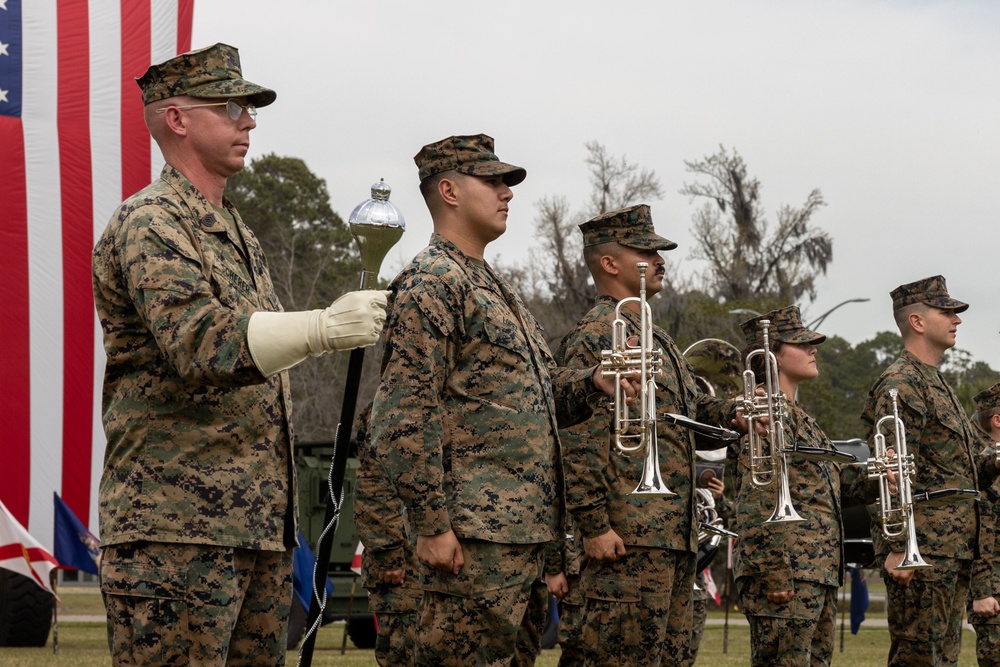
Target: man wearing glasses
197	499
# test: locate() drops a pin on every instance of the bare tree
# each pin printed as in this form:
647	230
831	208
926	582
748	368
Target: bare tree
746	259
312	260
568	292
560	256
616	182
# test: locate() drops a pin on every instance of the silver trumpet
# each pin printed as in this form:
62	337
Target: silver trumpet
896	509
768	463
636	433
711	529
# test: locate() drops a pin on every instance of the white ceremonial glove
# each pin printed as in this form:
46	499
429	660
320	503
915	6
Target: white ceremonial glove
279	341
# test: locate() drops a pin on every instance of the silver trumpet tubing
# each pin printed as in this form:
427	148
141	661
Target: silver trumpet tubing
895	508
710	528
636	433
768	463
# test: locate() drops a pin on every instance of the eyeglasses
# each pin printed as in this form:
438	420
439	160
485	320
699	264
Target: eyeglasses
233	108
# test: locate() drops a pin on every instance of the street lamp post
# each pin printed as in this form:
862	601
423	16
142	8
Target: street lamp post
812	325
819	320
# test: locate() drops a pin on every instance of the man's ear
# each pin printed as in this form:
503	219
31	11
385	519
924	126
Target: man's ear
175	121
916	321
448	191
610	265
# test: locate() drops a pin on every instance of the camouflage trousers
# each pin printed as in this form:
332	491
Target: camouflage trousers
925	618
987	642
194	604
491	613
798	633
637	610
395	607
570	613
699	612
396	636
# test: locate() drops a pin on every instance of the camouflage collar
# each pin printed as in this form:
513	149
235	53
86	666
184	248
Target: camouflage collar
201	209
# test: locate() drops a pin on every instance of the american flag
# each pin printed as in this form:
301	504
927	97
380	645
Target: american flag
72	145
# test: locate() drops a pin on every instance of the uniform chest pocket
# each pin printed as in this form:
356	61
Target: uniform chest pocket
503	331
946	413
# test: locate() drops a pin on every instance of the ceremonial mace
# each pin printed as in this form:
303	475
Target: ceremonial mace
376	225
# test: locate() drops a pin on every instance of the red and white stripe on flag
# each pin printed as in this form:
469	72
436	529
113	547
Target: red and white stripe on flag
73	144
356	561
22	553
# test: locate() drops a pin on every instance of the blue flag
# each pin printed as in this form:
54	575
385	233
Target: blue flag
303	566
75	546
859	598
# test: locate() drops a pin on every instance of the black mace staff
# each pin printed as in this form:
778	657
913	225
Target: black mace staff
376	225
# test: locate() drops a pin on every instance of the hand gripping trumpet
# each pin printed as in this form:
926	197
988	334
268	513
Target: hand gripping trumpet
636	433
768	463
896	509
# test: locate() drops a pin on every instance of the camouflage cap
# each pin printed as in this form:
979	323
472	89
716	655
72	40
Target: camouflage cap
786	326
472	154
632	227
988	399
212	73
931	291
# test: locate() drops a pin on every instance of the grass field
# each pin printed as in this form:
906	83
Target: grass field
84	644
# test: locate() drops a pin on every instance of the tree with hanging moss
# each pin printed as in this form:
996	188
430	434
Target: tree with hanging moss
749	257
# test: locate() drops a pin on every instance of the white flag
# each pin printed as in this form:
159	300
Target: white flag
22	553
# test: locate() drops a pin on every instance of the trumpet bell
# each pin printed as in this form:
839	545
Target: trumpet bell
655	489
652	487
784	510
784	514
912	561
651	479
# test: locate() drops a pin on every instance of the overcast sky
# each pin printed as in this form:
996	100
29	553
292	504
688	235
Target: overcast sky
889	107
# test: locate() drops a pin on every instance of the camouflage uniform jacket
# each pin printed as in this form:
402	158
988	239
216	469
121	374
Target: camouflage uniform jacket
389	543
199	442
810	550
465	415
986	568
945	447
599	480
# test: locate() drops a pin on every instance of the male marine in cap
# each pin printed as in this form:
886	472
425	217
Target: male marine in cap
984	608
640	550
466	416
946	455
197	499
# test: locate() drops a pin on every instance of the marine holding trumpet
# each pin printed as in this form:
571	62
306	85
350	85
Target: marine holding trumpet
925	605
789	558
984	608
640	544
